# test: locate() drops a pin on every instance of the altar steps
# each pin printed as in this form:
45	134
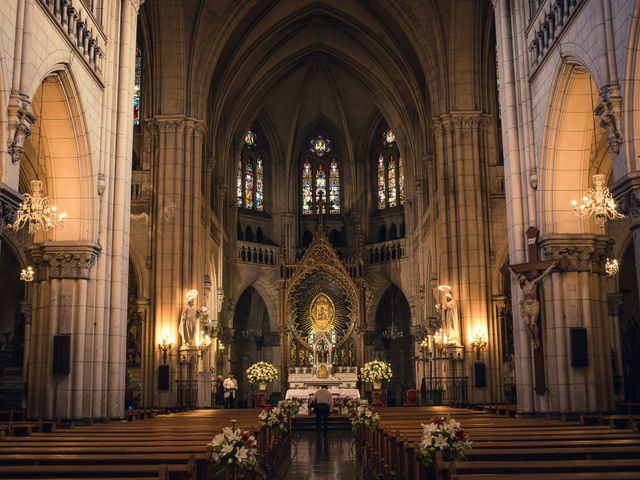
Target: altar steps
308	423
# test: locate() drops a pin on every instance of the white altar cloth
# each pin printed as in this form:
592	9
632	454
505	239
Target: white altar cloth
304	394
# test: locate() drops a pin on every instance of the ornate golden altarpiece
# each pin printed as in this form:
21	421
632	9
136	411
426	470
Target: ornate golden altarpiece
322	300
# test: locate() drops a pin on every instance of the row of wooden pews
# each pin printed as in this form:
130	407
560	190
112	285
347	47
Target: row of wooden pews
503	448
169	446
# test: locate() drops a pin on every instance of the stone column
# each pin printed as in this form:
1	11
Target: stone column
176	227
627	193
614	302
9	202
576	298
62	306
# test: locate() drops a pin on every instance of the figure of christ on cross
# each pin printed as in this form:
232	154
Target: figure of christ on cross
528	276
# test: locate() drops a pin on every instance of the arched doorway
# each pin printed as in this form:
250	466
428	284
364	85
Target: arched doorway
630	325
12	326
251	342
393	319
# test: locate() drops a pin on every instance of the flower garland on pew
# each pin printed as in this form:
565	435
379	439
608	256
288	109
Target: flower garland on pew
280	416
445	435
235	449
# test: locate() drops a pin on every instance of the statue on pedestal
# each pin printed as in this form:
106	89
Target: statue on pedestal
189	321
448	311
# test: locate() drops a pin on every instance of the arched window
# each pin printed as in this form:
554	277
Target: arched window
390	173
250	175
137	86
320	178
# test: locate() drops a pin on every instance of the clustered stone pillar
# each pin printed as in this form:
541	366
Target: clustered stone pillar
62	302
178	232
462	223
575	297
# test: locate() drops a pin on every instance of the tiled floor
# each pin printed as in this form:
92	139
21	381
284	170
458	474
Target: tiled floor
318	457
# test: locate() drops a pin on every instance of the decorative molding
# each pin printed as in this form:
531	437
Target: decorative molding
607	112
71	260
586	253
21	128
627	195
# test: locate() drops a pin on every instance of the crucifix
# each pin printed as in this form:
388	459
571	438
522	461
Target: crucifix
320	204
528	276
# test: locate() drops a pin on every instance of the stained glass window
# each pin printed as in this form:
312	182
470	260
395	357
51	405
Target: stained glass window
321	186
307	189
401	179
239	195
137	87
259	185
248	185
392	185
251	139
382	183
388	138
320	145
334	187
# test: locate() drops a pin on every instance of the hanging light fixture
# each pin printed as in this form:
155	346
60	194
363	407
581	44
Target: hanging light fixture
27	274
597	202
611	267
38	211
392	332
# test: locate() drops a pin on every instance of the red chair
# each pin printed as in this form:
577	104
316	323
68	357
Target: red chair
411	398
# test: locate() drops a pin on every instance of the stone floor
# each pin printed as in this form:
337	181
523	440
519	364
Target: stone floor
323	457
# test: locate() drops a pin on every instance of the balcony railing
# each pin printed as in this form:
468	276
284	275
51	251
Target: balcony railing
389	251
257	253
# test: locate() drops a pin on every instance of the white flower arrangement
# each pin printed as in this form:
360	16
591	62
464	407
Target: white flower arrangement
364	417
290	406
274	418
235	449
446	435
262	372
351	405
376	371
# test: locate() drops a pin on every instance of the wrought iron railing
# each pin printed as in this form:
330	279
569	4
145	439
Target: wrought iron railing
447	390
187	393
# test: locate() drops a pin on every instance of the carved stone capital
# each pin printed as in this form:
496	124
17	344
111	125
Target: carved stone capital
614	303
586	253
65	259
9	202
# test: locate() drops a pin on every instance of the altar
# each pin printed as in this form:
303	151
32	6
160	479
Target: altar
304	395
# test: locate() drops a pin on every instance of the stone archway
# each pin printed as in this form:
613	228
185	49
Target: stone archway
394	311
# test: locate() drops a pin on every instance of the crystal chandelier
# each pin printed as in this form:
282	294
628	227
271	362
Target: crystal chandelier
611	267
392	332
38	211
27	274
598	202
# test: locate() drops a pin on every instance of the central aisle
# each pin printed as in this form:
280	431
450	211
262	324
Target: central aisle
323	457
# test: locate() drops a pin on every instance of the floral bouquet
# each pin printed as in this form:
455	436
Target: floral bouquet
235	449
364	417
290	406
274	418
446	435
261	372
351	405
376	371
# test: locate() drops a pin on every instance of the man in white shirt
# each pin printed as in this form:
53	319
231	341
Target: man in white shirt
230	385
322	404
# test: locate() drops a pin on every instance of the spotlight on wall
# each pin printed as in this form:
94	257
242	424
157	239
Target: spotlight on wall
479	343
165	345
27	274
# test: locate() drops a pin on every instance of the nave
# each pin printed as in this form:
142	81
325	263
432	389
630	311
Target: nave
174	446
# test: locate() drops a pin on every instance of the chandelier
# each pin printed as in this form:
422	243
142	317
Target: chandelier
27	274
611	267
598	202
392	332
38	211
479	343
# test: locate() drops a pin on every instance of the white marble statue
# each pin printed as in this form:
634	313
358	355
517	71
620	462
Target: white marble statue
448	310
189	321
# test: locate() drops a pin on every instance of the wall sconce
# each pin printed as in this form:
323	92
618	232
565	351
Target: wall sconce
440	339
479	343
27	274
204	344
165	345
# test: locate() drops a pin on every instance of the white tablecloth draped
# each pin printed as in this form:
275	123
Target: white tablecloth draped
305	393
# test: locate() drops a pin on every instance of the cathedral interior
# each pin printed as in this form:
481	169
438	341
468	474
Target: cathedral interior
318	184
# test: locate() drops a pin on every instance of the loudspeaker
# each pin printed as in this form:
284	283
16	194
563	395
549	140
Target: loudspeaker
579	352
480	374
163	377
61	354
